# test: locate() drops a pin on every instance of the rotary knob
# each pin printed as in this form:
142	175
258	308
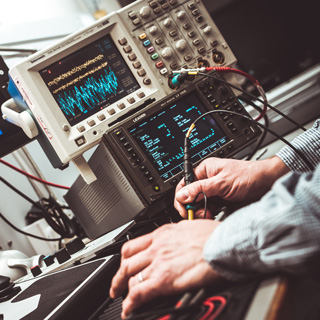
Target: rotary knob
153	30
145	12
167	22
167	52
207	29
181	15
181	44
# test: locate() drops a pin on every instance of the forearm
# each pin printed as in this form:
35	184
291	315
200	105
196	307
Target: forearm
278	233
268	171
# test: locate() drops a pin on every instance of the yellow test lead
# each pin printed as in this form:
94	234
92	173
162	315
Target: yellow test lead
190	214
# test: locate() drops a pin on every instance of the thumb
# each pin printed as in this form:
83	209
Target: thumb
188	193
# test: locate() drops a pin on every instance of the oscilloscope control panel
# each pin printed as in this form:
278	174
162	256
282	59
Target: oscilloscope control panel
88	82
173	34
149	145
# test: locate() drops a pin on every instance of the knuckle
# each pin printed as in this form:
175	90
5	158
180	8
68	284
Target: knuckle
125	249
124	269
136	296
131	282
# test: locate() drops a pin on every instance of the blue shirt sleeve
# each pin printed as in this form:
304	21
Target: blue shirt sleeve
281	231
309	144
278	233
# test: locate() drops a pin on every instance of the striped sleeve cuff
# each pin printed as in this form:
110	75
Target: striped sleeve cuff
309	144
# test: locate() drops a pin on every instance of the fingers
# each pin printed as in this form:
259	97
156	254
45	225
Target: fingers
135	257
129	268
139	293
188	194
136	245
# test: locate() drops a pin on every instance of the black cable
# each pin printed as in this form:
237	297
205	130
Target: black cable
302	156
261	139
56	218
255	98
25	233
205	202
8	184
264	134
51	211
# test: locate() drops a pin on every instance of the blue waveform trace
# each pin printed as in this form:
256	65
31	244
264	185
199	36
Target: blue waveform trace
88	95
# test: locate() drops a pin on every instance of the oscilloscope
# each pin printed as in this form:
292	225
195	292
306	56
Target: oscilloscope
83	85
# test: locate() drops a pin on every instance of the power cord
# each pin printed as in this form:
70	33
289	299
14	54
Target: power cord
26	233
51	211
32	176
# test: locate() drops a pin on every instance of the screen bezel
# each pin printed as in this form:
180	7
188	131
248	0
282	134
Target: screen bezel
73	121
53	54
165	175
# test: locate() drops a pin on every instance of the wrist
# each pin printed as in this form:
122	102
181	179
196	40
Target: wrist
276	168
272	169
263	174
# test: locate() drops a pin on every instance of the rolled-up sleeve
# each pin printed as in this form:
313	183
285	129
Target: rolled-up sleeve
278	233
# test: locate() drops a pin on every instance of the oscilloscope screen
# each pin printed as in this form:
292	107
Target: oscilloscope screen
161	136
90	79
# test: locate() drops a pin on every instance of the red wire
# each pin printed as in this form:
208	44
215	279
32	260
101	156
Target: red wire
167	317
210	306
33	177
209	302
211	313
251	78
227	69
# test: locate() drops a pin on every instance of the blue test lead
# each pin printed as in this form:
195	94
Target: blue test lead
177	80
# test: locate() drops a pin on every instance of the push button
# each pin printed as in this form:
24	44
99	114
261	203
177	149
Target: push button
122	41
48	260
35	271
75	245
111	111
142	36
62	255
80	141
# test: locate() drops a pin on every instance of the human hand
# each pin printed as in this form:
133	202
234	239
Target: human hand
170	260
229	179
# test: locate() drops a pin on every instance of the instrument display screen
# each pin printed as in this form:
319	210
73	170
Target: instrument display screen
90	79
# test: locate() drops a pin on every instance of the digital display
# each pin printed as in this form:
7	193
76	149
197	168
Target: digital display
161	136
89	80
